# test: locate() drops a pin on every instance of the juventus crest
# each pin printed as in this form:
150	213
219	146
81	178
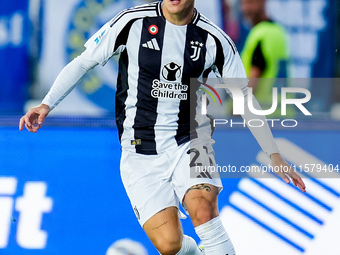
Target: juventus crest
197	46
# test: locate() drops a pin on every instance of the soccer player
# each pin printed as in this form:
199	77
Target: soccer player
161	46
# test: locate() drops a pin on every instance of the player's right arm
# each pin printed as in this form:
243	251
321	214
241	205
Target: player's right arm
63	85
99	49
110	40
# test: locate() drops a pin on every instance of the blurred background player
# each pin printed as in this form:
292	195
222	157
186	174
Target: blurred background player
265	53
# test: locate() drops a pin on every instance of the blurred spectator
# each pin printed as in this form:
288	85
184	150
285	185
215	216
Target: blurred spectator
265	53
231	19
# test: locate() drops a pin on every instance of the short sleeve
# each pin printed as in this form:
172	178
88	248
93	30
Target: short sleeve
233	66
104	43
233	69
228	64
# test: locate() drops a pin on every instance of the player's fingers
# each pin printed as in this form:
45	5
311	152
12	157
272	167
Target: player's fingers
302	188
33	127
298	182
295	182
41	118
297	179
284	176
29	128
286	179
36	127
21	123
301	184
27	121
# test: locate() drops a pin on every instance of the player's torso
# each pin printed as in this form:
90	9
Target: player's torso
159	60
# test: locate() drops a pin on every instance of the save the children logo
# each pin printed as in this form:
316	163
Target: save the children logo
171	71
172	87
169	90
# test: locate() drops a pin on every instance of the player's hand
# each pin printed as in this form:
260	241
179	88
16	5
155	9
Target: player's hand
34	118
285	171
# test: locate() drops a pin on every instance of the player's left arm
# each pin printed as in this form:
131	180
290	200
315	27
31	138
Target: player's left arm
265	139
233	67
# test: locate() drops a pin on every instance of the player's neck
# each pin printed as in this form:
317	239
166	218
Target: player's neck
181	18
260	18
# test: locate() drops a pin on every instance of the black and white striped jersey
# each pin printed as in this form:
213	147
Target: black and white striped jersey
157	61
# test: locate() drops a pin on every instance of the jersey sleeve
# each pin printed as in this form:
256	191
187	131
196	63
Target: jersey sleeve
67	79
228	64
109	40
233	67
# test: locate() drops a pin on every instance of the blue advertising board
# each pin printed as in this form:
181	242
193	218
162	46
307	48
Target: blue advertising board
61	193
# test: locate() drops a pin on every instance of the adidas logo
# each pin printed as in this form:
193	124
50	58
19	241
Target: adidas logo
152	45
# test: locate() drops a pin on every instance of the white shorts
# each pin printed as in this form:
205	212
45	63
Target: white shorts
156	182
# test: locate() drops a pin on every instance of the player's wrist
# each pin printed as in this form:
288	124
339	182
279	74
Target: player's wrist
45	106
275	155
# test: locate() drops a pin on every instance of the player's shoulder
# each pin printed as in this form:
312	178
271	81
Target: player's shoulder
267	29
140	11
214	30
206	24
